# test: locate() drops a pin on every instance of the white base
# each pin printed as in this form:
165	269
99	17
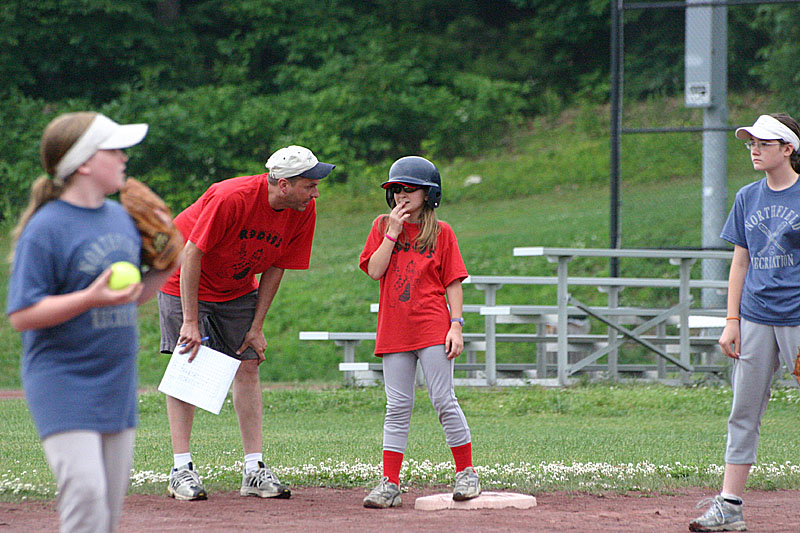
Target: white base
487	500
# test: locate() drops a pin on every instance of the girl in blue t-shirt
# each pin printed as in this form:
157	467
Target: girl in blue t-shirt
763	317
79	336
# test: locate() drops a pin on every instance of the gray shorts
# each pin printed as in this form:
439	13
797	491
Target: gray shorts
765	350
224	323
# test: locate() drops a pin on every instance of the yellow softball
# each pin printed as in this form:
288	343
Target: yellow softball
123	274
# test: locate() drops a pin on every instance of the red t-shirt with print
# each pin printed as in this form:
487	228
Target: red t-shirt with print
240	236
413	310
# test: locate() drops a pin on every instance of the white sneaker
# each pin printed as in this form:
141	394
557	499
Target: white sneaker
383	496
468	485
720	516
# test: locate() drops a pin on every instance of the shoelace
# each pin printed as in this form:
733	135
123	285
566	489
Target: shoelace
183	475
383	486
265	474
464	478
384	490
715	505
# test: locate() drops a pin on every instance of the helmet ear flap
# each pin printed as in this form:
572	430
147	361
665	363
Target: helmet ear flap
434	197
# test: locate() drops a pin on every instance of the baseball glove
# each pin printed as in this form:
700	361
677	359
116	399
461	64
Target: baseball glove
796	371
162	242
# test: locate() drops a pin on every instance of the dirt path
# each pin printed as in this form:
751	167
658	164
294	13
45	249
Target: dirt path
318	509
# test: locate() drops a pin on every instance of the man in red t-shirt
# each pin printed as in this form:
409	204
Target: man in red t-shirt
238	228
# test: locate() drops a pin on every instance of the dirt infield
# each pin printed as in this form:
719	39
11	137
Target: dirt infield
319	509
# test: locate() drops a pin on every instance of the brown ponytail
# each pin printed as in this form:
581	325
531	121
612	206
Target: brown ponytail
790	123
58	137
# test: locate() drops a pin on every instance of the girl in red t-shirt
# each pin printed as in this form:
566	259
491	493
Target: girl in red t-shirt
417	261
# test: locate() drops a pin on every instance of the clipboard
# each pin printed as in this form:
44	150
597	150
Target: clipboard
204	382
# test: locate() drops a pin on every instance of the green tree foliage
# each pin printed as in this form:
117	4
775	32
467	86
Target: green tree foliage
225	82
56	49
780	53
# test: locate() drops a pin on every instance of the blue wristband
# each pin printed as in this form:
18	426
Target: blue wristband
460	320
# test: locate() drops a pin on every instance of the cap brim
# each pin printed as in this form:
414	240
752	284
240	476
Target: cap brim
318	171
125	136
408	180
758	133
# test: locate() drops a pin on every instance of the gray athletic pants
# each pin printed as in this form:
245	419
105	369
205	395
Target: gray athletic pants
93	471
399	372
763	349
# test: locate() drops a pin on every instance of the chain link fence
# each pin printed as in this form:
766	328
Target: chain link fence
691	136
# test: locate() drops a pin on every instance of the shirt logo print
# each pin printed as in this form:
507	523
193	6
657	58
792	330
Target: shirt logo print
772	238
273	240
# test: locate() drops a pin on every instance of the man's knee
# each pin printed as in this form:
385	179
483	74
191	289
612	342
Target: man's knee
248	371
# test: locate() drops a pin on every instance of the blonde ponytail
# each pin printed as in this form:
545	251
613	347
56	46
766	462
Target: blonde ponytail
429	229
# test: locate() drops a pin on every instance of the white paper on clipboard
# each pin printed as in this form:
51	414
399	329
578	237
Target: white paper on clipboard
204	382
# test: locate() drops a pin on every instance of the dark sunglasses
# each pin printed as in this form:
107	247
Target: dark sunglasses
395	189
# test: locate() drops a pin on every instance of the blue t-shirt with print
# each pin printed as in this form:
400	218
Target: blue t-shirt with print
80	374
767	223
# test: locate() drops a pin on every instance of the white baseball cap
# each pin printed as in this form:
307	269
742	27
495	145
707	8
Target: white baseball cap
297	161
768	127
102	134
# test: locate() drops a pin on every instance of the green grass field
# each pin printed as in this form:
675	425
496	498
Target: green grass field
542	188
585	438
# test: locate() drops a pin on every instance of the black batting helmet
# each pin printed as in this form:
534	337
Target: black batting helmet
415	170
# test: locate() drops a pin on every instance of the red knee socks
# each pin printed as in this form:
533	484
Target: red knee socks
462	455
392	461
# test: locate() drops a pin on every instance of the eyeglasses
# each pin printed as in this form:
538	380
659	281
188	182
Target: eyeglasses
758	144
395	189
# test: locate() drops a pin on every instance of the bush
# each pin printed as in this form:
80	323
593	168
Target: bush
24	119
198	137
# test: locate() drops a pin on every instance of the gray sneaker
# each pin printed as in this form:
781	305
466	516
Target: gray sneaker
720	516
184	484
263	483
468	485
384	495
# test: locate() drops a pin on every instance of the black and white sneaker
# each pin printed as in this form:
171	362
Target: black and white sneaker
184	484
263	483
